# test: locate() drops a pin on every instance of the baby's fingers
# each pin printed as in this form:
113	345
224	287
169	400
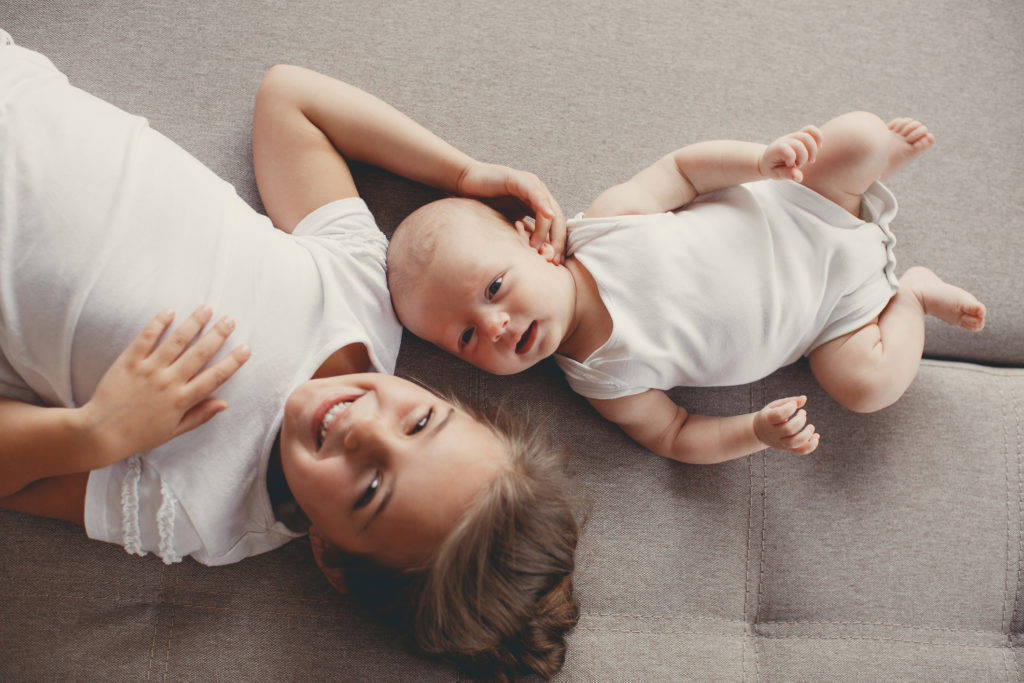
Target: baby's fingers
778	412
803	442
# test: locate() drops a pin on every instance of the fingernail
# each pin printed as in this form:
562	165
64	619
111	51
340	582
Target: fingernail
204	310
244	350
228	322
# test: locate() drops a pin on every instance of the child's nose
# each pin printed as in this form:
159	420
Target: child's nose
365	434
497	325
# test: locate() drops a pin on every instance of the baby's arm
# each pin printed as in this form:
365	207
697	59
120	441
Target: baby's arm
306	125
677	178
656	422
152	393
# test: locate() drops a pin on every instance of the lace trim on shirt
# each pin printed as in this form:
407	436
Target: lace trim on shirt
165	525
130	507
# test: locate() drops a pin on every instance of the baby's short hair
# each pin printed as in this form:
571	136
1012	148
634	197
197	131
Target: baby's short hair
415	242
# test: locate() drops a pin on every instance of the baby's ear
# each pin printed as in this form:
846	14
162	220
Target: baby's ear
523	231
328	558
547	251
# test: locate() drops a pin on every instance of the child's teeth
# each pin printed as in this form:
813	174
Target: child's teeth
329	418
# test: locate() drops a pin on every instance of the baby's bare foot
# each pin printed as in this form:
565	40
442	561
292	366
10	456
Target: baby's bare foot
946	302
910	140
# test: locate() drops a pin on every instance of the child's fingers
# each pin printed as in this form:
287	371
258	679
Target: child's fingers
200	414
196	356
144	342
171	347
207	381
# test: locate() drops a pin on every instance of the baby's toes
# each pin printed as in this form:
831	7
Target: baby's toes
899	124
972	316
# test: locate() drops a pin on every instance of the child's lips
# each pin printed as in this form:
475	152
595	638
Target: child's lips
525	342
333	405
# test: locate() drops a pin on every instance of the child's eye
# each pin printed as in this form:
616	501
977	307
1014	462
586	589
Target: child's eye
466	336
493	288
423	422
370	492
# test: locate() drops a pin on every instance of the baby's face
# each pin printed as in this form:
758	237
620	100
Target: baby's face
490	299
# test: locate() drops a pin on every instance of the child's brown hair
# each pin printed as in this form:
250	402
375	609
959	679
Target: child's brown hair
497	597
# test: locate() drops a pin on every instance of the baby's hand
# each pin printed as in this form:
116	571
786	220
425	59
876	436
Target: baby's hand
494	180
784	158
783	424
154	392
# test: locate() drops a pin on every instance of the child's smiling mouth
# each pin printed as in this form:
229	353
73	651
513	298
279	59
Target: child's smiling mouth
525	342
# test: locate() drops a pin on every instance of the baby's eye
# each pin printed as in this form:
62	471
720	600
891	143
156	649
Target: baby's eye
466	336
423	422
370	492
493	288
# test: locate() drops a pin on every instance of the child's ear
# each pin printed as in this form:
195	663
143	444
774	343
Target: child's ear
328	558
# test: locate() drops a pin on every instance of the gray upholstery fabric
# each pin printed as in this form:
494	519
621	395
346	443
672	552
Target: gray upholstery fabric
892	553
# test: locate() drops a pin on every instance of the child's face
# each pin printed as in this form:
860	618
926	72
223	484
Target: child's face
490	299
382	466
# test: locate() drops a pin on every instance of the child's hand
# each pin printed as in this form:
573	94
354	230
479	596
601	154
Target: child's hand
784	158
493	180
783	424
154	392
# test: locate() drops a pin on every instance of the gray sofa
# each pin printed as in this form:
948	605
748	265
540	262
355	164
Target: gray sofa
894	552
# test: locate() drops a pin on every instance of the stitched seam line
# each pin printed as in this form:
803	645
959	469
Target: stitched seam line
809	637
1020	536
746	568
170	627
156	627
1007	620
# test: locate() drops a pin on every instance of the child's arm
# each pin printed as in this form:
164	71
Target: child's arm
306	124
677	178
152	393
656	422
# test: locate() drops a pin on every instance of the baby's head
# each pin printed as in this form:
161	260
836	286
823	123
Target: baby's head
465	278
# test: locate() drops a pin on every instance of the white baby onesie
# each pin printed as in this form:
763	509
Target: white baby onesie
730	288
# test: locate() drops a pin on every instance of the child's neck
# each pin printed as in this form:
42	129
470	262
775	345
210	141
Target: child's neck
591	323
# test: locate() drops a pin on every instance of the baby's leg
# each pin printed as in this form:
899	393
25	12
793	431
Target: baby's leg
870	368
857	149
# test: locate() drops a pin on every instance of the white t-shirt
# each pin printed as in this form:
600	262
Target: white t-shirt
734	286
104	222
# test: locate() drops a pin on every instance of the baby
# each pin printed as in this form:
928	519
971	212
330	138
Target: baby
715	266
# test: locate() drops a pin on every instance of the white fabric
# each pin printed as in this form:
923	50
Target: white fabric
103	223
732	287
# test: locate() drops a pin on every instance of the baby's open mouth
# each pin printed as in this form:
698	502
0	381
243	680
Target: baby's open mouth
525	342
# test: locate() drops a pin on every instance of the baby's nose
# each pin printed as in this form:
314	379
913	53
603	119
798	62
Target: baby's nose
498	323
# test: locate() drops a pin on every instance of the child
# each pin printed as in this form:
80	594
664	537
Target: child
104	221
740	277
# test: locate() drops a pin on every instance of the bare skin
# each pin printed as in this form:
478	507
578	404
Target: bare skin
870	368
